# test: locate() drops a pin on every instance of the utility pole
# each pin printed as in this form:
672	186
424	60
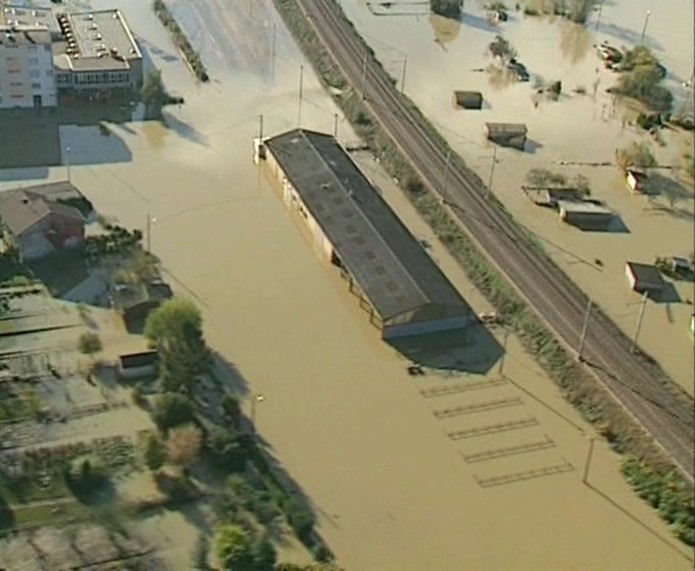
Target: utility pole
446	177
364	75
644	28
256	398
639	322
260	128
335	125
67	161
585	328
598	17
149	232
405	64
492	171
301	91
500	372
272	52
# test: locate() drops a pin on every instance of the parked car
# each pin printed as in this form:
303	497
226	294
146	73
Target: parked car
518	71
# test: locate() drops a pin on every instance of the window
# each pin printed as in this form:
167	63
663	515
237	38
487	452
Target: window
49	73
35	85
32	48
33	61
34	73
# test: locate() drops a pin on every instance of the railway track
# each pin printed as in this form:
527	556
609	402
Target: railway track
661	409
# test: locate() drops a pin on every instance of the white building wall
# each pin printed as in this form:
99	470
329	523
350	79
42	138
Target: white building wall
26	74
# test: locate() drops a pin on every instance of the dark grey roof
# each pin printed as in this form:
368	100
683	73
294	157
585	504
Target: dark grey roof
390	266
134	360
468	98
646	275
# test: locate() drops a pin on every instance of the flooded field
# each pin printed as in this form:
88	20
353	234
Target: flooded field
579	129
466	466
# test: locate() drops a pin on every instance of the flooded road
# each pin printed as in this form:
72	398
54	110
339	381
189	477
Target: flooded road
366	443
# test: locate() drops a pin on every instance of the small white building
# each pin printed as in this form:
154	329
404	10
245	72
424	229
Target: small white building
26	67
637	181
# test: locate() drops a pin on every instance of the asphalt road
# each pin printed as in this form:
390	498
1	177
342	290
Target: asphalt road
663	410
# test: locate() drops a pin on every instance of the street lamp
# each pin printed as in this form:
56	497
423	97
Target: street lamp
148	238
255	399
644	28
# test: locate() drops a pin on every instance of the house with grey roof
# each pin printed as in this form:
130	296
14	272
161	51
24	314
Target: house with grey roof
37	223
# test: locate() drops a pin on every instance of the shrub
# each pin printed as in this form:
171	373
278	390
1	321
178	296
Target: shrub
154	452
172	409
89	343
665	492
635	155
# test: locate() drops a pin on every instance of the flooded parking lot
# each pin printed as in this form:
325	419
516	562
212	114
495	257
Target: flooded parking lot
427	472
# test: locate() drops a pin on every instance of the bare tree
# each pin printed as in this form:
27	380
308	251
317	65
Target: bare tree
183	445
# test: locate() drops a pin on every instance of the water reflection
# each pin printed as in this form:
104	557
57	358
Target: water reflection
445	29
575	41
32	137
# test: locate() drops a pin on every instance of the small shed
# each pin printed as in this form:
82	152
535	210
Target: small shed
135	301
585	214
468	99
135	365
507	134
644	278
637	181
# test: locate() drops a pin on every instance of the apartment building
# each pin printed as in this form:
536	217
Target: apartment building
27	77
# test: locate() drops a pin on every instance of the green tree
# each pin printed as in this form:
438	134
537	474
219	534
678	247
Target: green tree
226	449
89	343
153	94
172	409
637	155
175	329
233	548
264	555
231	410
199	555
641	79
447	8
300	519
154	453
6	514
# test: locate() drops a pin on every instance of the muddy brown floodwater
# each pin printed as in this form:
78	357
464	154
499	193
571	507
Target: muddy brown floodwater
362	439
579	128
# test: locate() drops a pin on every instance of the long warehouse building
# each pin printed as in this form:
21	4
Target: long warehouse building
397	282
